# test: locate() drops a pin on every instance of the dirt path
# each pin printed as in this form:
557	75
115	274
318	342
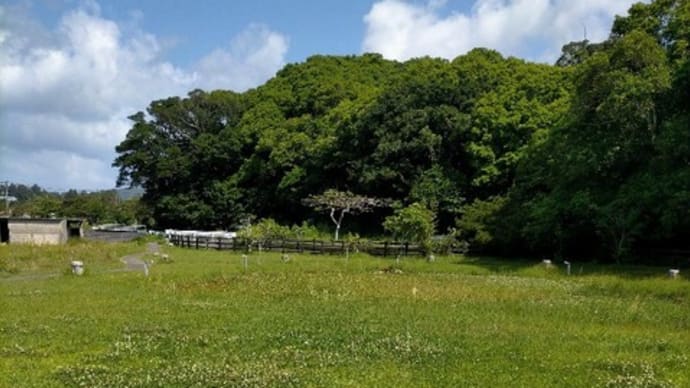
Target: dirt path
136	263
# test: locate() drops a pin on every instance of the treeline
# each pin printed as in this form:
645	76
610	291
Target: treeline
20	192
428	130
589	157
99	207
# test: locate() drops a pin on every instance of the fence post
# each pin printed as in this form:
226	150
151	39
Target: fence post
407	247
385	248
196	242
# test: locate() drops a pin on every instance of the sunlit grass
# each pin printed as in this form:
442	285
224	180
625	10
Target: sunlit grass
36	260
207	320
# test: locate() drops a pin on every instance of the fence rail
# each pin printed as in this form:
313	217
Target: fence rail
376	248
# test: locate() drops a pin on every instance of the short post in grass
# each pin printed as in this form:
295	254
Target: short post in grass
77	267
567	266
402	251
245	260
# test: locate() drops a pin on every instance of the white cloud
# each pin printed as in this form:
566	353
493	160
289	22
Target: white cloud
533	29
57	170
252	55
66	94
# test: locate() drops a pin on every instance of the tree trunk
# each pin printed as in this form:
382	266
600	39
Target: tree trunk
337	222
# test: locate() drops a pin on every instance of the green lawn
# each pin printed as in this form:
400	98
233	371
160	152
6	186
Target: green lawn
203	320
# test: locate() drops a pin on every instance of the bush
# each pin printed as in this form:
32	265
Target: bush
264	230
414	224
268	229
477	221
446	243
308	232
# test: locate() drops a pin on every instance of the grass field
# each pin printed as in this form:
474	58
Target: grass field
205	320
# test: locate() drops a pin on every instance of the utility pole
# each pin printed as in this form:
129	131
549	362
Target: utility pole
7	198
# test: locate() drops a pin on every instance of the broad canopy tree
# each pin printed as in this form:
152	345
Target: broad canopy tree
338	203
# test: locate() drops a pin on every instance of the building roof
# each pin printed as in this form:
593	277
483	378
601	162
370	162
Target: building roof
42	220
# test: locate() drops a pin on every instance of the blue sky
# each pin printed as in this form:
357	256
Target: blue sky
71	71
197	27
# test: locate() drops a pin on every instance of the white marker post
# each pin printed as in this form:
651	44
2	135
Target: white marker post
77	267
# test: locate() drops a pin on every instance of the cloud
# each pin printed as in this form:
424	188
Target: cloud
66	93
532	29
252	55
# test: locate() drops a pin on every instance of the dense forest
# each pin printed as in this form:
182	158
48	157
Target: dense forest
589	157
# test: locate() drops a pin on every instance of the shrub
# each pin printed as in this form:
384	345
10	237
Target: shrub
414	224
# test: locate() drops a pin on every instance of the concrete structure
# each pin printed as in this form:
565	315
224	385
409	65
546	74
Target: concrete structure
40	231
112	236
115	232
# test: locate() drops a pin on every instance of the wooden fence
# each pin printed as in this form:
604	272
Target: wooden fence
377	248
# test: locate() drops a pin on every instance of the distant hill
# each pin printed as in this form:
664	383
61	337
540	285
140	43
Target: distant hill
125	194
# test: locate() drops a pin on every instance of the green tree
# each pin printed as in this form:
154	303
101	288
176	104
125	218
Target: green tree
608	178
338	203
477	221
263	231
414	223
181	153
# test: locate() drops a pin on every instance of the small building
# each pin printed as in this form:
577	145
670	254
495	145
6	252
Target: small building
40	231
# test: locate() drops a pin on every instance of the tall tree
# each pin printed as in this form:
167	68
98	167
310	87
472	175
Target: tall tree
181	153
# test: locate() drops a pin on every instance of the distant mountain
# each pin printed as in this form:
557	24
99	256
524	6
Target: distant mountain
134	192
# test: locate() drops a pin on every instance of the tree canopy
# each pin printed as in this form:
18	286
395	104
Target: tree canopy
586	157
338	203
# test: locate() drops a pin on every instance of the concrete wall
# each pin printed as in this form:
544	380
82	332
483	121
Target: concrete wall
101	235
38	231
